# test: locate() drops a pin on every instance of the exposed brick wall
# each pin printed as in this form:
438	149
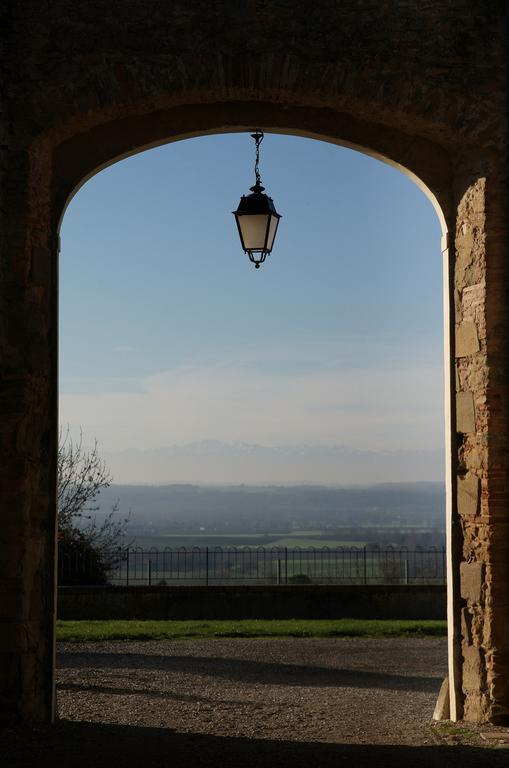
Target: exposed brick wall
482	426
420	83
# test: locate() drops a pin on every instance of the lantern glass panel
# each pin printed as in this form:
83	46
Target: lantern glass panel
254	231
274	220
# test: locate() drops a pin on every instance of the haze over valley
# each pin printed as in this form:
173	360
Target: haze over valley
218	462
409	514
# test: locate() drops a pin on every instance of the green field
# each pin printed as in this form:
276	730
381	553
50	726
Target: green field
301	541
291	539
96	631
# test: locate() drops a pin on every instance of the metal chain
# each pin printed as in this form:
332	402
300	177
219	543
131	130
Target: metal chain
258	136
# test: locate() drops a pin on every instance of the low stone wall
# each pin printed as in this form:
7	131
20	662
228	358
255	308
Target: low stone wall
253	602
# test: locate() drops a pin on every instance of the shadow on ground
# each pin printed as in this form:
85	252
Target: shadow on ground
84	744
247	670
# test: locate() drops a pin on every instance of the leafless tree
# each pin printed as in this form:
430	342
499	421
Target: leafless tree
82	475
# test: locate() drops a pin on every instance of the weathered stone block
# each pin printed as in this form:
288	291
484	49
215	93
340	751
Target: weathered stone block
466	626
442	709
475	457
465	412
471	581
467	341
468	495
472	668
476	707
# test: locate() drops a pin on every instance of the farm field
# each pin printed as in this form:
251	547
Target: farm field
291	539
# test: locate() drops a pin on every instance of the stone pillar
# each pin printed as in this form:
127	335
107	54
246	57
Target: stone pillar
28	419
495	493
480	283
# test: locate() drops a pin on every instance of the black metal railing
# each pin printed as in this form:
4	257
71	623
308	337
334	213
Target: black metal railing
260	565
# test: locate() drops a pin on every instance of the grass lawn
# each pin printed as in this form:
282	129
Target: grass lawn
94	631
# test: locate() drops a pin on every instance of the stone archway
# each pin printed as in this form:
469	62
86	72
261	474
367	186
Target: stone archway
422	87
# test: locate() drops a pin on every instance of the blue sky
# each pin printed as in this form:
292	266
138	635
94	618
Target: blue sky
169	337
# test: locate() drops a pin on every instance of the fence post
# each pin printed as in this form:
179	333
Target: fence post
278	571
149	572
286	565
127	569
206	566
365	566
406	570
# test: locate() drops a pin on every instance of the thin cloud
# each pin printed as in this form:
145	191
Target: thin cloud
378	410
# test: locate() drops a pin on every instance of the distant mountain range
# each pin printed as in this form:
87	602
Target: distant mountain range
212	461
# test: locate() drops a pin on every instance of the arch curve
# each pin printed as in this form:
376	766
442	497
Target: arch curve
80	157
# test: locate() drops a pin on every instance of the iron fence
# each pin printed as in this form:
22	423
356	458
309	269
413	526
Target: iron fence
260	565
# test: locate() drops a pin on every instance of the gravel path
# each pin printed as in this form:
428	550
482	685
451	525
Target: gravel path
297	689
250	702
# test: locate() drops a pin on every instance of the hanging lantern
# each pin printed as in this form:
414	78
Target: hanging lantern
256	216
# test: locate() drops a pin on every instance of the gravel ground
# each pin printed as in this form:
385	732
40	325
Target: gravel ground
298	689
255	702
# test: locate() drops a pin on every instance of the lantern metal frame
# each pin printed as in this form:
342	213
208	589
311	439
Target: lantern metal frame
258	204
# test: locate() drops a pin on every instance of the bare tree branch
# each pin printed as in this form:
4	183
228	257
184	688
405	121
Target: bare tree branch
82	475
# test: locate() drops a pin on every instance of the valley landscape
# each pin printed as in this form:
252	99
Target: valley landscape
181	515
